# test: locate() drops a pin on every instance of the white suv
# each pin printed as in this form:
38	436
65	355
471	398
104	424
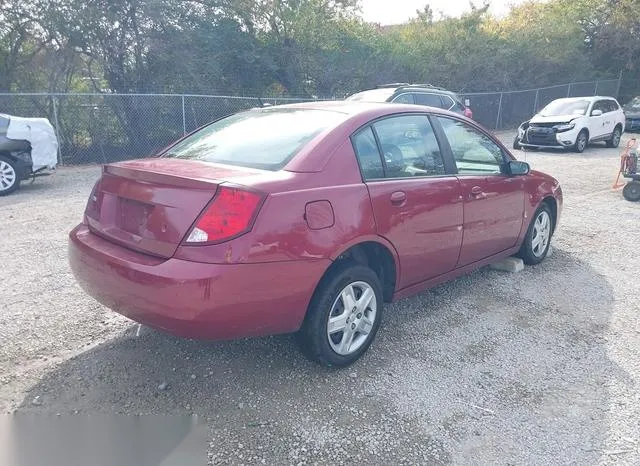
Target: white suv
573	123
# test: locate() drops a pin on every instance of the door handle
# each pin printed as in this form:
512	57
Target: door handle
477	193
398	197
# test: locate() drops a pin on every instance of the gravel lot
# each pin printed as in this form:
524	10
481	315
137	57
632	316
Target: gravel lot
539	367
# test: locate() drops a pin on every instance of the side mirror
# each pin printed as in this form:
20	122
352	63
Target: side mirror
516	167
596	113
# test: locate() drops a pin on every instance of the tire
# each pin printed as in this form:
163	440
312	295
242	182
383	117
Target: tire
532	252
631	191
615	137
9	176
328	300
582	141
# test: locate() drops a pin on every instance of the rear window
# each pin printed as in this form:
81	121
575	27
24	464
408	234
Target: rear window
263	138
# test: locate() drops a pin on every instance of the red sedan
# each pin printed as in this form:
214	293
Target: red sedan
307	218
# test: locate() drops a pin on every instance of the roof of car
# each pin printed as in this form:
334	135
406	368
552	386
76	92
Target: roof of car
589	98
349	107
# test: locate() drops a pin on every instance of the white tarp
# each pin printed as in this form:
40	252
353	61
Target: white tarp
41	135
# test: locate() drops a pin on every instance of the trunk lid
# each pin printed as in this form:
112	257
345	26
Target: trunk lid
150	205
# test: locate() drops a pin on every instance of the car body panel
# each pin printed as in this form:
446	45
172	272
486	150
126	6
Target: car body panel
493	218
425	227
262	282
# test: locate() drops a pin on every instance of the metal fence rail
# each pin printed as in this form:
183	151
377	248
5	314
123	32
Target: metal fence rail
100	128
506	110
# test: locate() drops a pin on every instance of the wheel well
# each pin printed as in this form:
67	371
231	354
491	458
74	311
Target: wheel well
619	125
553	205
585	130
378	258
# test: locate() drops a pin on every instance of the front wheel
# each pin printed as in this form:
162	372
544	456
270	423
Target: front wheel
615	138
516	144
343	317
581	142
9	178
536	243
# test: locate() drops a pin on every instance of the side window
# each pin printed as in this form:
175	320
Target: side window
409	147
368	155
474	153
458	107
599	105
447	102
430	100
612	106
404	99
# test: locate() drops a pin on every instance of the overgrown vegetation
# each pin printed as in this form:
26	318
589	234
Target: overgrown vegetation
307	47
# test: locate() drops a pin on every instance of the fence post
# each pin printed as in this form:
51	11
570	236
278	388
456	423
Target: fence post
569	90
595	91
499	111
55	122
535	102
619	82
184	119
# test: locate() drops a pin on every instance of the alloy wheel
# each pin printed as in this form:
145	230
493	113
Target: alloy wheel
7	176
541	234
352	318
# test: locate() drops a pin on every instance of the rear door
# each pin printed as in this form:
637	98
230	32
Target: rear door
493	201
416	198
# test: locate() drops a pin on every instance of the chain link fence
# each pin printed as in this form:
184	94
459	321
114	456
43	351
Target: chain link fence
101	128
506	110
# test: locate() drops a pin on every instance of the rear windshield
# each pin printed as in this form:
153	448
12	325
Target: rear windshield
261	138
374	95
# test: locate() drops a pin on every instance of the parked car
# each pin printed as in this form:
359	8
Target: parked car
573	123
417	94
307	218
632	114
28	148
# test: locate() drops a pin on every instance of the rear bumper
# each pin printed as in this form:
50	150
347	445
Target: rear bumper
632	124
192	299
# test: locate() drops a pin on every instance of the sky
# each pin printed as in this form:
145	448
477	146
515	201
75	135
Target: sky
399	11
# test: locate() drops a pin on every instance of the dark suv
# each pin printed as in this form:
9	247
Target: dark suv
418	94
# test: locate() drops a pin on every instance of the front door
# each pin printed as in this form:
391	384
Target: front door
415	197
598	123
493	201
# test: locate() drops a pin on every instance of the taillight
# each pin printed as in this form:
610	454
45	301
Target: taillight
230	214
92	208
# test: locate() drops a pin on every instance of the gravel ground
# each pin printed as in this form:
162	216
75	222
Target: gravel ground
538	367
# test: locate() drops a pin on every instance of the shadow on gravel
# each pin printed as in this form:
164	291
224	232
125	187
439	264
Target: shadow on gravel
493	366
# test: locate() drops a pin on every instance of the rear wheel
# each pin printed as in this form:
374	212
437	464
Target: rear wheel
9	178
615	137
343	317
581	142
536	243
631	191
